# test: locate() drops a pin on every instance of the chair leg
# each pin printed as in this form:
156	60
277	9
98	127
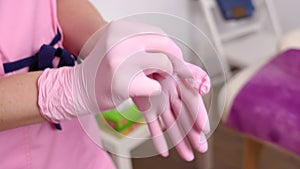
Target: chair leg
252	151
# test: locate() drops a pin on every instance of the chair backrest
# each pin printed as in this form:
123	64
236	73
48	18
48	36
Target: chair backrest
251	22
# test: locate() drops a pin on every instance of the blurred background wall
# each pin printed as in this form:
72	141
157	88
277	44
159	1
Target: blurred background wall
288	10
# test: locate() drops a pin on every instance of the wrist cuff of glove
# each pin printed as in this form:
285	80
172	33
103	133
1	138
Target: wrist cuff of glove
55	99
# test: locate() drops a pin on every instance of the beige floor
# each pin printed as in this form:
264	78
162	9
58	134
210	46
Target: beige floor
227	154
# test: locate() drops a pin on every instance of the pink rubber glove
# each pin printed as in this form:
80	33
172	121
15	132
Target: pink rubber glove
113	71
180	106
120	59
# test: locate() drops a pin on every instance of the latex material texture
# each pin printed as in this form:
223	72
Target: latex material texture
132	60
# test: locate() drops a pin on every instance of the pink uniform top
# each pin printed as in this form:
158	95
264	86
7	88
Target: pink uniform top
25	26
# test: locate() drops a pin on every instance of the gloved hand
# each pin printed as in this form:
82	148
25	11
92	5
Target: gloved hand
113	71
180	106
122	61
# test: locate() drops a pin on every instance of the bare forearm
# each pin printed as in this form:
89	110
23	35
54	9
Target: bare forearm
19	94
79	20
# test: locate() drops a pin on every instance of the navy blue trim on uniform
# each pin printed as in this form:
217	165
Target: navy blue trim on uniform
43	59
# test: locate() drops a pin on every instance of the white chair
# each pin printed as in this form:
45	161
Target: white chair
122	147
245	41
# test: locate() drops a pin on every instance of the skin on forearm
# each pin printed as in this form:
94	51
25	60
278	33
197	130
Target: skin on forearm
19	93
78	20
18	101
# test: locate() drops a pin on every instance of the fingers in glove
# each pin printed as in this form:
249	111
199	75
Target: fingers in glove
158	138
195	106
201	79
177	136
202	118
154	125
195	135
198	140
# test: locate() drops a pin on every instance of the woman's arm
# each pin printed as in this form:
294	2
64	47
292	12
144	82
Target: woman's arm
78	20
19	93
18	103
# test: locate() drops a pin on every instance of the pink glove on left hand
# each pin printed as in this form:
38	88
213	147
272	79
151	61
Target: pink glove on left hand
182	111
123	61
112	71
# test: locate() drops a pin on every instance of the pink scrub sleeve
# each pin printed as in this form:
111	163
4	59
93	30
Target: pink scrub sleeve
25	26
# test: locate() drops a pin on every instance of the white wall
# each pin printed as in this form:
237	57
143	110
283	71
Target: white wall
288	13
112	9
189	9
288	10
